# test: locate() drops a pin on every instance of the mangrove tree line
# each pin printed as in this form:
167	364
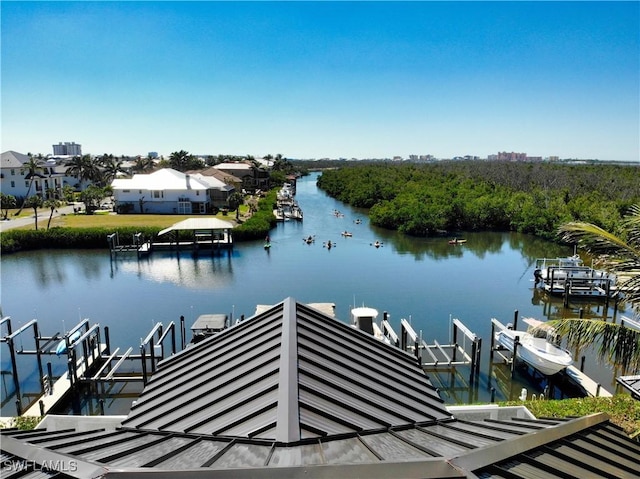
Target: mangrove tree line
450	196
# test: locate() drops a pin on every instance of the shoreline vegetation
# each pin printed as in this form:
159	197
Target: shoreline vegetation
90	231
452	196
432	199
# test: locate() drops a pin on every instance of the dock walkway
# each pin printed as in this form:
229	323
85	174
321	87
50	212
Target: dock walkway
61	387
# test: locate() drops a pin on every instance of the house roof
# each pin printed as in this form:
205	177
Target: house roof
221	175
163	179
311	377
13	159
233	166
198	224
292	392
213	182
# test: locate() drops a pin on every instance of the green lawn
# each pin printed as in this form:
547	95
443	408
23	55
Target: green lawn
113	220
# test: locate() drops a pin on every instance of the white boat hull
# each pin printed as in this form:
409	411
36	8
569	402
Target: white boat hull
536	352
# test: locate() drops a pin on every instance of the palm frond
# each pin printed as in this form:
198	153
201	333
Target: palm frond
617	344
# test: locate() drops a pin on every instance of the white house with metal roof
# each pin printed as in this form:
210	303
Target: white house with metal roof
168	191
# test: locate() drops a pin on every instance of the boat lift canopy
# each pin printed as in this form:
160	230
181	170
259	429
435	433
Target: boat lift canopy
198	224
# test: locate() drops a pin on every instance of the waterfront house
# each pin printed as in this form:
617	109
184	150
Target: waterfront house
293	392
15	178
252	177
168	191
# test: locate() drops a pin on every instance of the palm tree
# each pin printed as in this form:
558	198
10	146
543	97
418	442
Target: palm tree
53	203
35	202
179	160
620	254
143	164
33	166
84	168
111	167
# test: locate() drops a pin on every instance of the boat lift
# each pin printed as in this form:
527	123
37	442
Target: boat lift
138	245
84	350
444	355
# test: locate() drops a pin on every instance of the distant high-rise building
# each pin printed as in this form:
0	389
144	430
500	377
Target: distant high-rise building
67	149
504	156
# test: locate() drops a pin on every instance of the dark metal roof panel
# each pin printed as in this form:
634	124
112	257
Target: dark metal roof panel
465	438
389	447
567	455
243	455
290	372
82	444
152	453
348	451
199	454
431	444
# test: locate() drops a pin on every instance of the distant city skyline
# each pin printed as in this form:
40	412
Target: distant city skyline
323	79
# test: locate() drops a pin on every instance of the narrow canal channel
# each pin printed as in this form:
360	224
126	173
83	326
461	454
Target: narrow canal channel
426	281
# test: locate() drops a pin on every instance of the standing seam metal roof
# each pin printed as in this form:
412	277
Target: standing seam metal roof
287	374
292	389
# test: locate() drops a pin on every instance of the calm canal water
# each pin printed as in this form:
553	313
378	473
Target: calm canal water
425	280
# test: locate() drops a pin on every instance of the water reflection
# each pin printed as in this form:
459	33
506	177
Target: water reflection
180	268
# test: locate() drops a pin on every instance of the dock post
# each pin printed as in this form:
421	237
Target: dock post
474	347
36	336
582	364
403	337
516	343
515	320
455	343
14	369
173	338
493	338
581	313
566	294
143	358
106	340
50	377
41	404
479	356
182	332
493	395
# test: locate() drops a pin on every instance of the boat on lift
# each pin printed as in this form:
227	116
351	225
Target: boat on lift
537	350
570	276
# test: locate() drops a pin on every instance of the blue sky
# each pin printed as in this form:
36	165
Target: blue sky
323	79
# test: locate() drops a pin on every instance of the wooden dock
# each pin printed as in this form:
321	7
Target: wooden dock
592	388
572	373
58	390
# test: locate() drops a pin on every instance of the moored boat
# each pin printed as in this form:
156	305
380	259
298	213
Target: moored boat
537	352
570	276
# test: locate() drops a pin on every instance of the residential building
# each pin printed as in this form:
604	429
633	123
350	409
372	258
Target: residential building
504	156
67	149
15	179
168	191
252	177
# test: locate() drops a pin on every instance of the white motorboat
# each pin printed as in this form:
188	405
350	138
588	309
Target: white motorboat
570	276
537	352
364	318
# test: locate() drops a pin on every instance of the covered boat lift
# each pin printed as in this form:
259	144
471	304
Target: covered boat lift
211	233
